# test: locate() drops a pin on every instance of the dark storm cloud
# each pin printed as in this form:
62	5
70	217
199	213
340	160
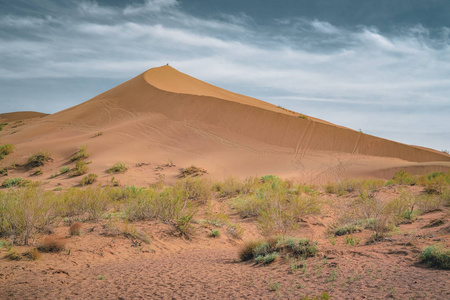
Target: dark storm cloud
384	68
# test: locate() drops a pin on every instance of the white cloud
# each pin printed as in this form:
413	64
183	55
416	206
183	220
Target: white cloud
149	6
92	8
21	22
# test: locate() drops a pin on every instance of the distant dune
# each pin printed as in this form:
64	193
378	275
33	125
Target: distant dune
20	116
164	115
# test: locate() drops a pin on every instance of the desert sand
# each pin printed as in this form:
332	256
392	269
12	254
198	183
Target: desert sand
164	115
163	121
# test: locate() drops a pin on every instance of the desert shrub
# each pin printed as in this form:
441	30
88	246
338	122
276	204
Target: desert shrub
195	188
246	251
141	206
89	179
402	177
100	133
351	240
347	229
38	172
371	185
235	230
88	204
192	171
33	254
379	212
267	258
429	203
64	170
277	209
52	243
80	154
15	182
435	183
214	233
81	168
6	149
342	187
403	207
229	188
259	249
118	168
13	255
75	228
25	211
3	172
39	159
436	255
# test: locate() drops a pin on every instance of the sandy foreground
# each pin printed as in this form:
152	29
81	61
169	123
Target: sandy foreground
99	265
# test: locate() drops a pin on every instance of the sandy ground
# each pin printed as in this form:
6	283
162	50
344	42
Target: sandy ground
169	267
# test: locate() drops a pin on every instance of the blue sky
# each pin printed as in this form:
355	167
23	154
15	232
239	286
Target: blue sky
380	66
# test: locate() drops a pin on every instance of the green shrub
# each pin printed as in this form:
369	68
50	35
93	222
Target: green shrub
195	188
64	170
229	188
15	182
88	204
80	154
6	149
25	211
267	259
3	172
436	255
89	179
246	251
297	246
215	233
81	168
347	229
118	168
402	177
38	172
39	159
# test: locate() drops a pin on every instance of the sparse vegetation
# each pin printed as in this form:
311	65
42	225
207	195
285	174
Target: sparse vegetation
39	159
215	233
64	170
33	254
89	179
38	172
3	172
118	168
13	255
15	182
80	154
100	133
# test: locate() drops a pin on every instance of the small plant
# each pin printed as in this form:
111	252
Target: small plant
267	259
101	277
39	159
436	255
33	254
13	255
6	149
192	171
301	116
80	168
64	170
80	154
274	286
350	240
52	243
100	133
38	172
346	229
3	172
89	179
75	228
118	168
215	233
13	182
246	252
333	276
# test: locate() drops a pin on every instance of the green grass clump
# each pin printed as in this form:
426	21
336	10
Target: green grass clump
39	158
264	249
402	177
267	259
436	255
85	205
64	170
89	179
15	182
5	150
38	172
215	233
118	168
3	172
80	154
81	168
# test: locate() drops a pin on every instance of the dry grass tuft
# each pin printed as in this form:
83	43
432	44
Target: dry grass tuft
192	171
75	228
52	243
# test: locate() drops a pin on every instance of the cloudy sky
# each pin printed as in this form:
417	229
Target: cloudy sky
381	66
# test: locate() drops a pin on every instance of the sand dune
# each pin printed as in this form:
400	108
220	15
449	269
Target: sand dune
163	115
20	116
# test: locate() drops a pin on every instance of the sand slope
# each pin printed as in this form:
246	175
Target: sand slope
164	115
20	116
